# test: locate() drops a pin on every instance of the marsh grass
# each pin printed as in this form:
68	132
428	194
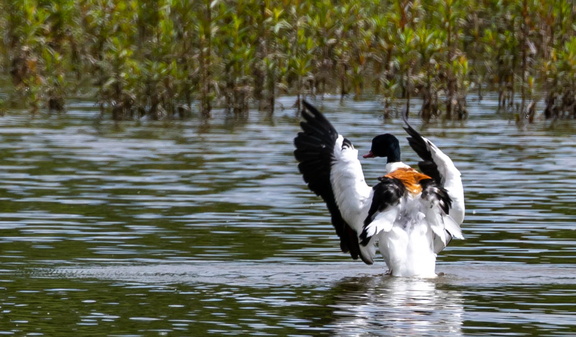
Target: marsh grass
175	58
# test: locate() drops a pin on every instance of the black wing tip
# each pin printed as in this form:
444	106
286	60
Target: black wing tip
310	110
413	133
417	142
409	129
308	105
313	116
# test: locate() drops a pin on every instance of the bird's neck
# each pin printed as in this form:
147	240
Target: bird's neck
394	156
391	167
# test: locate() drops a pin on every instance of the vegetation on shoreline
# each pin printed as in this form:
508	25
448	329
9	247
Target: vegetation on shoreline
171	58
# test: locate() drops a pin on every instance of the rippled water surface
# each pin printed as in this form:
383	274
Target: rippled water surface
206	228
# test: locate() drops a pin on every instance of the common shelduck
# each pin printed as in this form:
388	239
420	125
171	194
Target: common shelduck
410	215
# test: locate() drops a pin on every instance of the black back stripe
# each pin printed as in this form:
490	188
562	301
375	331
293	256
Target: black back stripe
387	193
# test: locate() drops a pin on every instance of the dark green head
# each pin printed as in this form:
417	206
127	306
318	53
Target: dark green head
385	145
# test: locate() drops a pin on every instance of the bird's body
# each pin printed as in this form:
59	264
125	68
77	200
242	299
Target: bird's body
411	215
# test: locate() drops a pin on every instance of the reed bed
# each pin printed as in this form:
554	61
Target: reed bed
177	58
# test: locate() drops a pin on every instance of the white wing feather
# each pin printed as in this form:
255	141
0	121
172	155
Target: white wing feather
451	181
353	196
383	221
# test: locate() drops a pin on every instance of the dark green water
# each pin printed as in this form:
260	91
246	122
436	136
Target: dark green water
192	229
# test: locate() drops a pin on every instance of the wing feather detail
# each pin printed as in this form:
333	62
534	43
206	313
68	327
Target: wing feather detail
316	149
437	204
440	168
382	213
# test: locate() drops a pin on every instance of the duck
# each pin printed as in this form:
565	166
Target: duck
408	215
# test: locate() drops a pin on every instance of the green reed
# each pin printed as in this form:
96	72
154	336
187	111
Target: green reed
175	58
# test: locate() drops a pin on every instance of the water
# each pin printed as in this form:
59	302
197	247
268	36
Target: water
206	228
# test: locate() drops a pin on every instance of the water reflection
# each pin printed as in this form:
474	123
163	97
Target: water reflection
389	306
320	296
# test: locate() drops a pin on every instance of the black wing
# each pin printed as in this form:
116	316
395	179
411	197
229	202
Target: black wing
315	152
418	144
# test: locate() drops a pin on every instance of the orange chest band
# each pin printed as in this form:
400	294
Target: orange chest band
410	178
